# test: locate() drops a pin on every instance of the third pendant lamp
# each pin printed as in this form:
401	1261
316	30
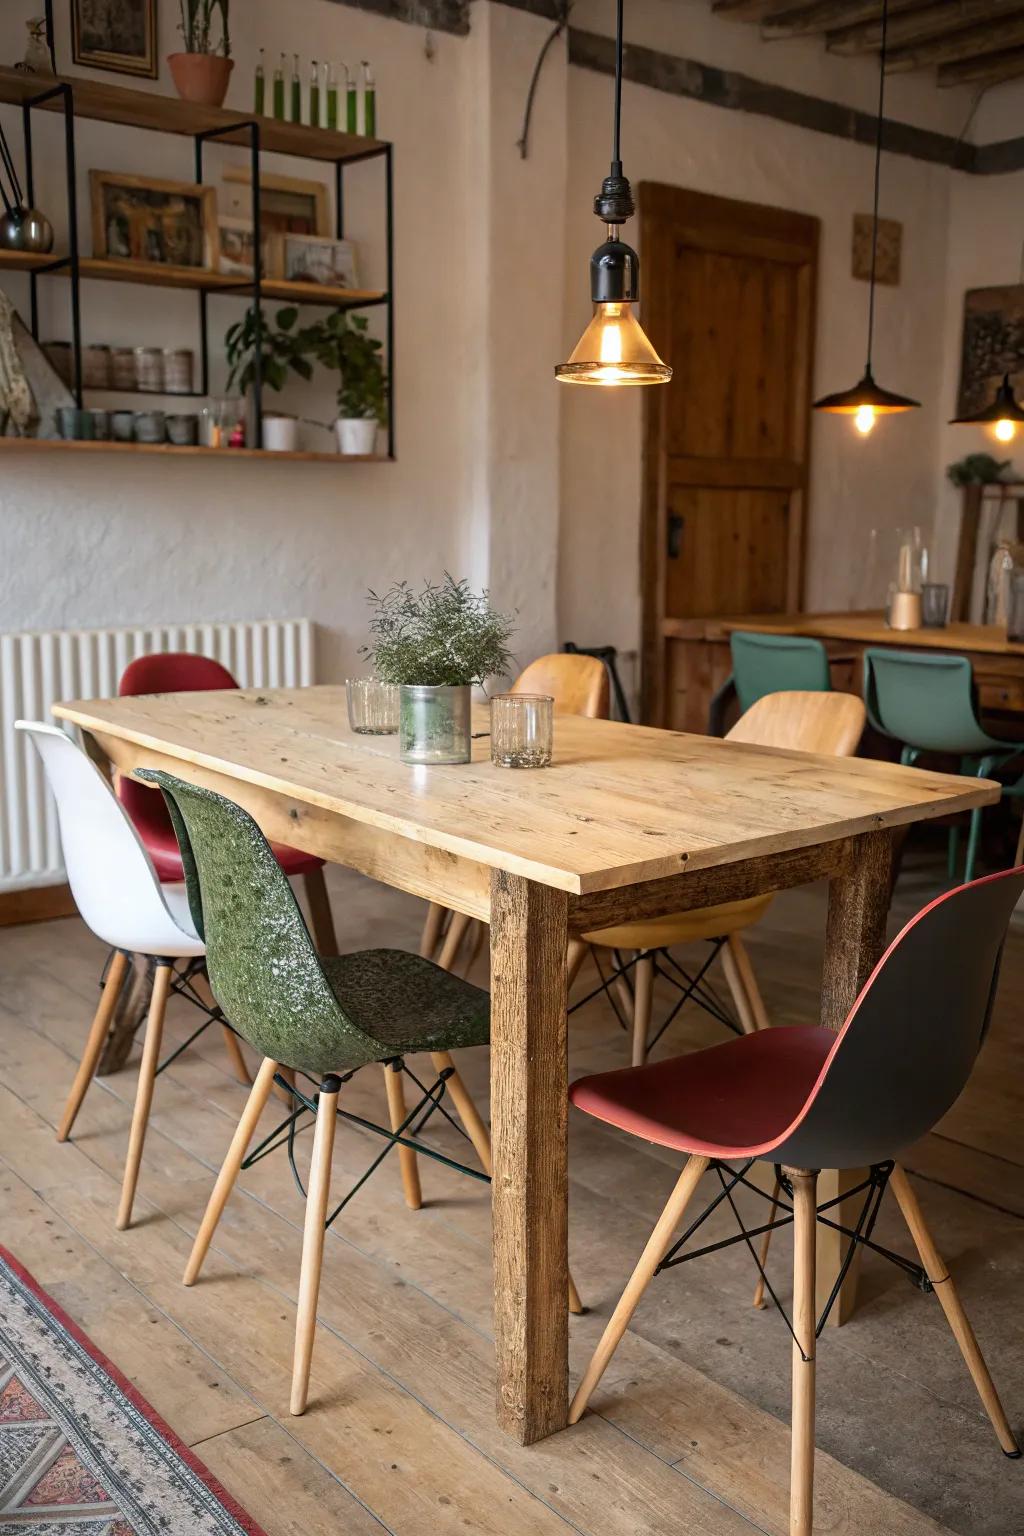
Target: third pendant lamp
866	401
613	349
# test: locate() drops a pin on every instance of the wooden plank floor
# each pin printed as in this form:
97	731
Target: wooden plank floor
689	1433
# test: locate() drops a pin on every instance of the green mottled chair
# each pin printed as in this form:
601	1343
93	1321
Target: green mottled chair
323	1016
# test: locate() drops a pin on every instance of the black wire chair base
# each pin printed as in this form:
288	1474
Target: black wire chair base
668	968
873	1188
183	985
430	1101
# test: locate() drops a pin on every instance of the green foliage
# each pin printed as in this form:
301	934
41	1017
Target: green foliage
977	469
282	348
342	344
196	26
441	636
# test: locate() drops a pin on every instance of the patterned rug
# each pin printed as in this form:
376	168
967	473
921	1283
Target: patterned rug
81	1453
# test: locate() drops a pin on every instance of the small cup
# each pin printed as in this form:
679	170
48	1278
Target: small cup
905	610
122	367
96	366
149	370
149	427
74	425
934	604
183	430
372	706
522	728
100	425
122	426
177	371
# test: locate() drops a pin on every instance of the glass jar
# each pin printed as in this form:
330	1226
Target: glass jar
372	706
521	730
434	724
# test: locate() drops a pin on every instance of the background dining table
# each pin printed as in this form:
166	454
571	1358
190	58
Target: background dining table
628	822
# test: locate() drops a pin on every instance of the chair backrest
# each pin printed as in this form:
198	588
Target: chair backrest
775	663
907	1049
262	964
578	684
111	878
924	700
828	723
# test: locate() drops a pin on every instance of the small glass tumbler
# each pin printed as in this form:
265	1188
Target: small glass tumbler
521	730
372	706
934	604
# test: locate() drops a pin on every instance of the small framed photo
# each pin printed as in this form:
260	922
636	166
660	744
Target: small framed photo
890	245
138	218
310	259
288	205
119	35
235	247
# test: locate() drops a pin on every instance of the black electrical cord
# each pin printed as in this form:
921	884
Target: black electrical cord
878	171
523	141
616	148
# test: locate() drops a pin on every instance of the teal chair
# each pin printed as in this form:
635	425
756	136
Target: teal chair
927	702
325	1016
764	664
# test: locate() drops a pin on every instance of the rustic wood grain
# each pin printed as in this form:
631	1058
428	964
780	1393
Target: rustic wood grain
858	905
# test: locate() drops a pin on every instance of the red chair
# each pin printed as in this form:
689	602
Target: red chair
183	672
807	1099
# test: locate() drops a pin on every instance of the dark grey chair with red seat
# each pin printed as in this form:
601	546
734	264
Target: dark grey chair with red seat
809	1099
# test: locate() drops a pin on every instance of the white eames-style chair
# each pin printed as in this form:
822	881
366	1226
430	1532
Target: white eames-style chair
120	898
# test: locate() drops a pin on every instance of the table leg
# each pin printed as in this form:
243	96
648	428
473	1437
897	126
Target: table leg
858	905
529	1113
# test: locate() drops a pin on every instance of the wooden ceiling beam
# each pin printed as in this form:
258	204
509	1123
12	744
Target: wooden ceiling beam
984	69
967	43
743	10
937	19
821	15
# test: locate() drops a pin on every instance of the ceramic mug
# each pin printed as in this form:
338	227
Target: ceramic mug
150	427
74	425
183	430
122	426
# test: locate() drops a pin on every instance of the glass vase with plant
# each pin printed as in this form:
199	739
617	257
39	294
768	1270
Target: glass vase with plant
201	71
436	642
281	349
343	345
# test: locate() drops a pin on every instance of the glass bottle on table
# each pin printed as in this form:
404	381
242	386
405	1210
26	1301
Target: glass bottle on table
296	98
279	90
369	102
259	91
314	95
331	96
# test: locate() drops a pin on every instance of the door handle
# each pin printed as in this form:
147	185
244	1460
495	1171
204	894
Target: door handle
675	535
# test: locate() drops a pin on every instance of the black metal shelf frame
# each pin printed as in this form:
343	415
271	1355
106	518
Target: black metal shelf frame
253	285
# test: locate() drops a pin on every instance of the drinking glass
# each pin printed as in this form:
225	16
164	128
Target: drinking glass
934	604
521	730
372	706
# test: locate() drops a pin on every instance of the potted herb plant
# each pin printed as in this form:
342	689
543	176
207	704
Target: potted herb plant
202	70
342	343
435	644
282	349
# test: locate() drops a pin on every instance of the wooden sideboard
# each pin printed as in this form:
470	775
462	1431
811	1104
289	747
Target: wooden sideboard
699	661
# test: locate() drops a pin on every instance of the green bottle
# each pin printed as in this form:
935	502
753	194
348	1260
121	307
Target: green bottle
314	96
351	103
296	116
331	93
279	91
369	102
259	89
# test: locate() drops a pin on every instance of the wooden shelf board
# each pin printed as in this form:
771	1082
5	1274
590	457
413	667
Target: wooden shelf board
26	261
166	114
60	445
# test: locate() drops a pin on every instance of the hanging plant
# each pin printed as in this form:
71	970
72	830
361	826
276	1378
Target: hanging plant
196	26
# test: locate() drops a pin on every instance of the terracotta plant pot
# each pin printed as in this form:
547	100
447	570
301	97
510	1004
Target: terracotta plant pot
201	78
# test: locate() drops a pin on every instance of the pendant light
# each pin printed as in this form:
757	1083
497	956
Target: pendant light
613	349
1004	415
867	400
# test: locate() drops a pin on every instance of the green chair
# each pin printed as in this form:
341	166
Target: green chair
324	1016
776	664
927	702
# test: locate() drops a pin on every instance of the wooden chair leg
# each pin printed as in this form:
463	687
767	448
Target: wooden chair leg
407	1160
736	947
254	1107
480	933
801	1484
95	1042
432	927
235	1056
951	1304
320	918
759	1301
740	999
144	1091
643	997
458	927
313	1242
575	956
657	1246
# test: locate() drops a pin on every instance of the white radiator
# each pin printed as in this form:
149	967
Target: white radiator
38	668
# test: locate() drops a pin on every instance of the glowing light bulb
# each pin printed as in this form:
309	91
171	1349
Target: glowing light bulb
1006	431
864	419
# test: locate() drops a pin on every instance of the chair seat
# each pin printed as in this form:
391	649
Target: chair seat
683	927
162	846
407	1003
734	1100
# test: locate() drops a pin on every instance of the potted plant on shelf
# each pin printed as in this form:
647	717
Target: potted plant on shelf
435	644
342	343
282	350
202	70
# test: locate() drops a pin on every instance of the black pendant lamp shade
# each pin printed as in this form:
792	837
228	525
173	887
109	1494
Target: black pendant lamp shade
613	350
867	400
1005	413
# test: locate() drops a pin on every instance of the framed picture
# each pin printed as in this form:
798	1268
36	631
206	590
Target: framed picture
890	246
119	35
235	247
137	218
993	345
310	259
288	205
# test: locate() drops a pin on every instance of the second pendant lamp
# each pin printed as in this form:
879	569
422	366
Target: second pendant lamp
866	401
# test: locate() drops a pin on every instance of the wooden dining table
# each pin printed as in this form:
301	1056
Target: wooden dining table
628	822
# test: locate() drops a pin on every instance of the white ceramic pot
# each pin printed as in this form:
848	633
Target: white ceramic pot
280	433
356	434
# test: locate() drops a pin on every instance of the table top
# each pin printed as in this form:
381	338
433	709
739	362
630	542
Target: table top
620	805
871	629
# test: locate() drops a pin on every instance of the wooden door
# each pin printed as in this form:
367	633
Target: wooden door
729	295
